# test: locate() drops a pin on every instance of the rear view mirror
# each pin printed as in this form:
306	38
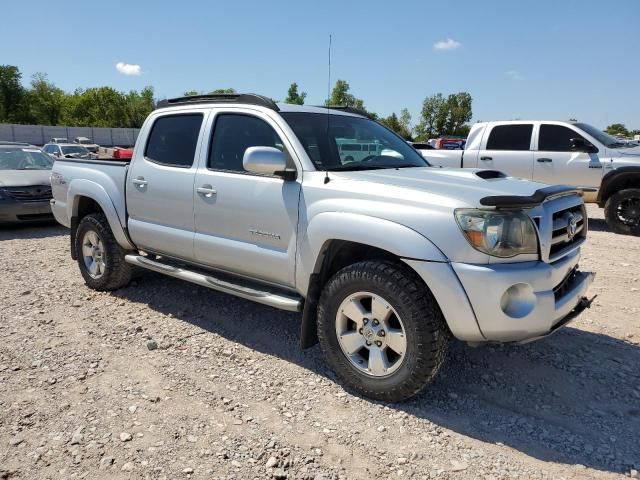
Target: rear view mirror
581	145
264	161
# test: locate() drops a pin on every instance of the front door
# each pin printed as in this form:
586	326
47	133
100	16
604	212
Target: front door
556	163
160	186
245	223
508	149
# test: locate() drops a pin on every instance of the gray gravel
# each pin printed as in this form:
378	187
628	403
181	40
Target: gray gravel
164	380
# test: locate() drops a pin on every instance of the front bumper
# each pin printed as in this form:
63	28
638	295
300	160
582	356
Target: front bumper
12	211
524	301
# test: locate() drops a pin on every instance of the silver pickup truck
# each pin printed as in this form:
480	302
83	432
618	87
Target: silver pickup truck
385	257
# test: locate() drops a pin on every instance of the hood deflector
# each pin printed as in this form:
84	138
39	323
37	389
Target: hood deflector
530	201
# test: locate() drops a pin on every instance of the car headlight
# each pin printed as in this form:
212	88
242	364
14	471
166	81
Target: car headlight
498	233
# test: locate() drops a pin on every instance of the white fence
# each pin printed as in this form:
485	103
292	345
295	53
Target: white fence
41	134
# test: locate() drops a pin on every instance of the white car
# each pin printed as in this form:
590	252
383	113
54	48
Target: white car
606	170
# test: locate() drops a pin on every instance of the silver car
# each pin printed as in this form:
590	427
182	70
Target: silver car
25	189
68	150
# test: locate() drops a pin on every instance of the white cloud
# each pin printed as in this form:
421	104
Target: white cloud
448	44
128	68
515	75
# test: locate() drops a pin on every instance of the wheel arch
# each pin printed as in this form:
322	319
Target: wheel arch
616	180
85	197
335	240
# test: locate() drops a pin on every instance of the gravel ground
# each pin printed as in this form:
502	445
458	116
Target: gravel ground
168	380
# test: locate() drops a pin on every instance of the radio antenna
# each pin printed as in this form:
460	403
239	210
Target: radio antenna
326	172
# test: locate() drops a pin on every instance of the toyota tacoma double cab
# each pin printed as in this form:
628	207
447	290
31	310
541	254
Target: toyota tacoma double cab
386	257
605	169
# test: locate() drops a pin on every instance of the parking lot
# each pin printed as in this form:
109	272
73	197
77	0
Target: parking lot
227	393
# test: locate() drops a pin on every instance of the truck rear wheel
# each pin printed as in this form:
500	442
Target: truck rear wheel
381	330
622	211
100	258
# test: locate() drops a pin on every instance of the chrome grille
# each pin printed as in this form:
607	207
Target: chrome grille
36	193
562	225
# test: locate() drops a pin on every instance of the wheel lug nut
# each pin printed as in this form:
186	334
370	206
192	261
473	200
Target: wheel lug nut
368	343
379	343
360	331
365	321
381	333
375	322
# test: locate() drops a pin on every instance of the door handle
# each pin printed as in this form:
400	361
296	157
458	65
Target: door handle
206	190
140	181
544	160
486	158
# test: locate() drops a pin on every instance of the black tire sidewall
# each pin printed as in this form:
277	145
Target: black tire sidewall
420	320
611	214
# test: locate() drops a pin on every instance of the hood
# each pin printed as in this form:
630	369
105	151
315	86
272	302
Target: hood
24	178
465	186
629	152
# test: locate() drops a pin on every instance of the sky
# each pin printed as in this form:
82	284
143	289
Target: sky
542	59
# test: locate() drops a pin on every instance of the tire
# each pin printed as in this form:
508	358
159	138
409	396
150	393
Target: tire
622	212
413	310
108	271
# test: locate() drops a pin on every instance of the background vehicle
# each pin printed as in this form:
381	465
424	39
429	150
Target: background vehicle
67	150
59	140
24	183
385	256
87	143
356	150
606	170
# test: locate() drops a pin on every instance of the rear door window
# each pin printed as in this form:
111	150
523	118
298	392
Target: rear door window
173	140
510	137
556	138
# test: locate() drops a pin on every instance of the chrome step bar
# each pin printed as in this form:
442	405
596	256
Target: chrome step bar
282	301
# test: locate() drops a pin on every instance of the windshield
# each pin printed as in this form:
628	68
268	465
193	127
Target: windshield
607	140
73	149
83	141
24	159
339	142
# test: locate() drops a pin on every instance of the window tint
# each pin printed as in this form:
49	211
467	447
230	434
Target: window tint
556	138
233	134
173	140
510	137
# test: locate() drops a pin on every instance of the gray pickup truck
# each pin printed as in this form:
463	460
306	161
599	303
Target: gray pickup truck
385	257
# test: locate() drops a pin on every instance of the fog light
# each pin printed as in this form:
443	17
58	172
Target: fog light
518	301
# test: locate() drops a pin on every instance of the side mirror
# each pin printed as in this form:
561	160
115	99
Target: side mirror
265	161
581	145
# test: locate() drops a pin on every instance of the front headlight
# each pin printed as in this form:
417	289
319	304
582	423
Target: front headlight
498	233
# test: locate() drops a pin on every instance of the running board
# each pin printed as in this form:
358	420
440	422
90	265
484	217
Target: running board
265	297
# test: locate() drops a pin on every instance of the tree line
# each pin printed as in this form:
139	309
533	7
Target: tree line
42	102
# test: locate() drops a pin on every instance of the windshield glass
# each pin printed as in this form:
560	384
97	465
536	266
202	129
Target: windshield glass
83	141
339	142
24	159
607	140
70	150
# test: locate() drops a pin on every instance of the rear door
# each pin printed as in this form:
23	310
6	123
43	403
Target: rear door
508	147
160	184
556	163
246	223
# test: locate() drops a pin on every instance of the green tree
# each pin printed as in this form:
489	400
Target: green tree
293	97
218	91
430	117
459	112
190	93
98	107
12	94
45	101
340	96
137	106
399	125
617	129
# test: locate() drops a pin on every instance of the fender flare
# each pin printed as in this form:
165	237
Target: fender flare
96	192
612	181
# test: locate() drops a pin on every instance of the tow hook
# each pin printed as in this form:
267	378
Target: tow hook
586	302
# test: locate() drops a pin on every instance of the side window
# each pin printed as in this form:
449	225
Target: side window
510	137
233	134
173	140
556	138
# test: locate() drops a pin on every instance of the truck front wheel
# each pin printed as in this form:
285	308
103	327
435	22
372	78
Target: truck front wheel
100	258
381	330
622	211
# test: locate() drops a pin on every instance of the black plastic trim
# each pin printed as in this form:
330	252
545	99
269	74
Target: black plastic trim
245	98
539	196
611	177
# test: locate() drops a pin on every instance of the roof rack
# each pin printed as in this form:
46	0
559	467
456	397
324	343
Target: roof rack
344	108
247	98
